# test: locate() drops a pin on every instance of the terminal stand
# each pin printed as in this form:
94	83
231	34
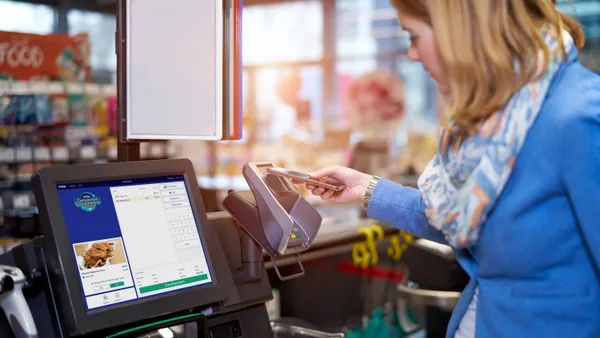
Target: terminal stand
275	215
252	259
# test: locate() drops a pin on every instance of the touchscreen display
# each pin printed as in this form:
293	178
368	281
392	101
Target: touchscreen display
133	238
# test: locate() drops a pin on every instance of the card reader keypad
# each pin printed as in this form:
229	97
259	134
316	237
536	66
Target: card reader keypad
295	233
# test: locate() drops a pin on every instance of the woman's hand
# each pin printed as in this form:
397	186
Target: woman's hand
356	184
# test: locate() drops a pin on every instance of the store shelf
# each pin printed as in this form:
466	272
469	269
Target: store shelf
48	87
60	154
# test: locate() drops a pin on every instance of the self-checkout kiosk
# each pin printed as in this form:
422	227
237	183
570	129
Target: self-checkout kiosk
128	248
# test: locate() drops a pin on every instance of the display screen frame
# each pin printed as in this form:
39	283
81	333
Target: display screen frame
125	78
65	271
66	186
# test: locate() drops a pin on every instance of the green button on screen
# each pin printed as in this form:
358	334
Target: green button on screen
116	285
172	284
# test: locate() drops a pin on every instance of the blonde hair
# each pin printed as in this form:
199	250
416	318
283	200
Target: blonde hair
478	42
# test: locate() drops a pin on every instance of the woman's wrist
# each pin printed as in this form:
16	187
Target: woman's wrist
361	186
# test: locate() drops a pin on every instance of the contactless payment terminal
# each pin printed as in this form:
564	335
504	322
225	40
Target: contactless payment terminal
133	238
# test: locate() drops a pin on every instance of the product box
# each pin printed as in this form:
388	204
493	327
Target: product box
43	108
79	110
8	110
26	113
60	108
99	109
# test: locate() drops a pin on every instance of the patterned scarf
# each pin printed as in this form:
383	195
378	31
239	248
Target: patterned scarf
465	178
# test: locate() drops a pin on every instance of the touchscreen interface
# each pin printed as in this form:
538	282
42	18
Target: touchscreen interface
133	238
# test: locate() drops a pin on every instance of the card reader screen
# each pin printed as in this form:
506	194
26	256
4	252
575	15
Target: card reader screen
133	238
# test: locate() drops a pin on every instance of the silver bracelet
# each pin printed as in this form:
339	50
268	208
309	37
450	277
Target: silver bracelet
370	188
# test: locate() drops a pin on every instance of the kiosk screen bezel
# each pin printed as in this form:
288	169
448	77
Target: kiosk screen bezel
65	276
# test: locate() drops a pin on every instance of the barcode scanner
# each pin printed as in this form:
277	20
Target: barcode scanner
12	301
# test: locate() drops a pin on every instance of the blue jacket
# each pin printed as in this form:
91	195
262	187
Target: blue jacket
537	262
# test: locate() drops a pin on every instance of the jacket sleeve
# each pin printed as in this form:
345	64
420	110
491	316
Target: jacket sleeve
580	169
403	208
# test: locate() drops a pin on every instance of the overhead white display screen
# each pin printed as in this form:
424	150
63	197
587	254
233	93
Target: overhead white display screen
174	69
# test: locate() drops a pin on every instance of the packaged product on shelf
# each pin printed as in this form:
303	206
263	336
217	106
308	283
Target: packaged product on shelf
8	111
7	114
43	108
60	108
3	136
100	116
9	137
26	113
26	170
24	144
45	137
78	109
76	136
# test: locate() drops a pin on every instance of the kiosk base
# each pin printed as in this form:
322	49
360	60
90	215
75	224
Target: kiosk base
242	315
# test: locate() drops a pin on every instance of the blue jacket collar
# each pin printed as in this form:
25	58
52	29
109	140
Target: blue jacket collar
572	55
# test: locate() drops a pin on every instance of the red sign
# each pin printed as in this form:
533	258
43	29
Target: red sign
48	57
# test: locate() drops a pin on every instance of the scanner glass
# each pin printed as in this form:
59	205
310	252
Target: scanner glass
133	238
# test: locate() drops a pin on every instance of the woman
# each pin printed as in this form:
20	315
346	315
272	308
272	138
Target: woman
515	185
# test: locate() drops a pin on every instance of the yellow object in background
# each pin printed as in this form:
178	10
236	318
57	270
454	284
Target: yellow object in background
399	244
377	235
362	253
408	238
395	251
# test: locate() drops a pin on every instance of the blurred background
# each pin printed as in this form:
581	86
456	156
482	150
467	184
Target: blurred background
325	82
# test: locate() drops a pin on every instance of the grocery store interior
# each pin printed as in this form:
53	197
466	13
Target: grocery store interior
323	83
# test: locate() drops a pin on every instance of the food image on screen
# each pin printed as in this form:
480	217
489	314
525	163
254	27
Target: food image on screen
92	255
98	254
